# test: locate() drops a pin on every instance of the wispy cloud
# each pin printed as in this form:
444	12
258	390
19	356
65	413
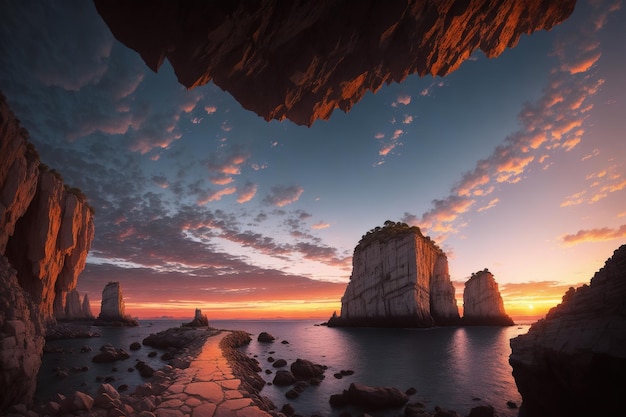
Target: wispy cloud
246	192
554	122
600	185
281	196
594	235
320	225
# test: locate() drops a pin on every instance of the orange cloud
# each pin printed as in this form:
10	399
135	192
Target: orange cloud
246	192
320	225
489	205
404	99
595	235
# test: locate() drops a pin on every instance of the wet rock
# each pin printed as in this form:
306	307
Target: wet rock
135	346
279	363
415	409
284	378
144	369
108	353
288	410
373	398
482	411
265	337
305	369
410	391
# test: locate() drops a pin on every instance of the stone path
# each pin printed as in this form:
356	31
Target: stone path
207	388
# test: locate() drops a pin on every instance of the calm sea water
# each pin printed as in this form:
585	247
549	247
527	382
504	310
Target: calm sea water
449	366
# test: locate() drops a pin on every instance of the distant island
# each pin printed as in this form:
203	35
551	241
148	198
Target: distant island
400	278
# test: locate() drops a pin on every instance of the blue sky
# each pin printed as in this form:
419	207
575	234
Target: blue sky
516	164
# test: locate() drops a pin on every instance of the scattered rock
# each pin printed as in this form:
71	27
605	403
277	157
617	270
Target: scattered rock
135	346
265	337
410	391
279	363
108	353
288	410
284	378
144	369
482	411
305	369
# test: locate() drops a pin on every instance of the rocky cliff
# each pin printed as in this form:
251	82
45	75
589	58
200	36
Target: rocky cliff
46	230
21	340
573	362
112	308
302	60
482	302
399	279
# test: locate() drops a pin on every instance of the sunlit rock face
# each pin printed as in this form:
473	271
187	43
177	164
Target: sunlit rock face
75	309
21	340
573	362
303	59
399	279
482	302
46	230
112	308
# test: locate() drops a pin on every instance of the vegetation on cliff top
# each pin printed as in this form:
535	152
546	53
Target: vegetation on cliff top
391	230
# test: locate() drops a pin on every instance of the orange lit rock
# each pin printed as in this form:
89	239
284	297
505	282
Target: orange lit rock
302	60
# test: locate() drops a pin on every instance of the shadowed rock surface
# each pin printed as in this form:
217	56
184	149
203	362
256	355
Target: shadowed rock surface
112	308
482	302
573	362
301	60
399	279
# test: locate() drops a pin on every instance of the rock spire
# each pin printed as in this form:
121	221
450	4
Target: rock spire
112	308
482	302
302	60
573	362
399	279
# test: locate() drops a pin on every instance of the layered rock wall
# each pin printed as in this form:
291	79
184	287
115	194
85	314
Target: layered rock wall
302	60
75	309
46	230
482	302
399	278
573	362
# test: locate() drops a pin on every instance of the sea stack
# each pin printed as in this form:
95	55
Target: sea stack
399	279
199	320
482	302
112	309
573	362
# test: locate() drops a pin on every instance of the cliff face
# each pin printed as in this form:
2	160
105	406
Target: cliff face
45	233
573	362
112	308
301	60
74	309
482	303
399	278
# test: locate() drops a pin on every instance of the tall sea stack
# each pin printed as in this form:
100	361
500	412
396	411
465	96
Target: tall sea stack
399	279
113	309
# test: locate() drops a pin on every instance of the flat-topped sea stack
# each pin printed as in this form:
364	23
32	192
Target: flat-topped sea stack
399	279
113	309
482	302
573	362
302	60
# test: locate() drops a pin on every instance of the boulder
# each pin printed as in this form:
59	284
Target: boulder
482	302
370	398
573	362
265	337
304	369
284	378
108	353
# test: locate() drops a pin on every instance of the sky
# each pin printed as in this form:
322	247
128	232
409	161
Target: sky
516	164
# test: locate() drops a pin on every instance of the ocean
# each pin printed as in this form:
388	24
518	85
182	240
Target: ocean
455	368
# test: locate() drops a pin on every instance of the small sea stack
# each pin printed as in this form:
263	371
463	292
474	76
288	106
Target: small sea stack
482	302
113	310
199	320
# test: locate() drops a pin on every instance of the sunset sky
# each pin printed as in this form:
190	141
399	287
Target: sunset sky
516	164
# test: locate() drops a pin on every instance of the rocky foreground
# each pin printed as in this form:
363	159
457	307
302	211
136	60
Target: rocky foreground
573	362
